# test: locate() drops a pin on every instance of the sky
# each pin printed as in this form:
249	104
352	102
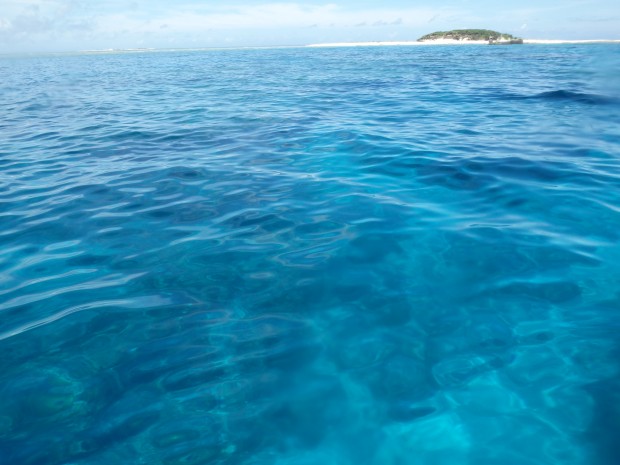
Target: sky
72	25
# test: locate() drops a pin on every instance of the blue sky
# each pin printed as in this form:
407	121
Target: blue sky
65	25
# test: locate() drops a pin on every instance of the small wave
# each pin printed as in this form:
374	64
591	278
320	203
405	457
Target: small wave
566	96
576	96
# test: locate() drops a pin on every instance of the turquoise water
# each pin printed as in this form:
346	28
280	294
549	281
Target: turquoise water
382	256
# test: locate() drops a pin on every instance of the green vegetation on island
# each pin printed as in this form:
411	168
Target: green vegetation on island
468	34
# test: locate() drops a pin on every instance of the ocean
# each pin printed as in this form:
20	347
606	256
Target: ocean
300	256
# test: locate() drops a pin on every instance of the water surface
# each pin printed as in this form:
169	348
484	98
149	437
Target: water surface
382	256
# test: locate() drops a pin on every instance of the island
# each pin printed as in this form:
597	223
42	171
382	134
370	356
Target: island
471	36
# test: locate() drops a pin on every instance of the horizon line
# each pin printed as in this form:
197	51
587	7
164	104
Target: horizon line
315	45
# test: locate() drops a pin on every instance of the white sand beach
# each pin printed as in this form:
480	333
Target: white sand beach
553	41
410	42
457	42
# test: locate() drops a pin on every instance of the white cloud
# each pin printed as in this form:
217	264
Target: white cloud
37	16
266	16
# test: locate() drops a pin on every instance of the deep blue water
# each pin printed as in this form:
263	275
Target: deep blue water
382	256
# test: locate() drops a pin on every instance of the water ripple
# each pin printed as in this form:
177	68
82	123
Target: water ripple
223	257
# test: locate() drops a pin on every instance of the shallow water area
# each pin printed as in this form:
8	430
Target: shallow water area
383	256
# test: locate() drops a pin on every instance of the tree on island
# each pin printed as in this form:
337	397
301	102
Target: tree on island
468	34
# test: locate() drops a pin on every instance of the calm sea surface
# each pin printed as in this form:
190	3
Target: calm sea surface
345	256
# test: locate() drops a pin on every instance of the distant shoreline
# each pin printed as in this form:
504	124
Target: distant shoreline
459	42
431	43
